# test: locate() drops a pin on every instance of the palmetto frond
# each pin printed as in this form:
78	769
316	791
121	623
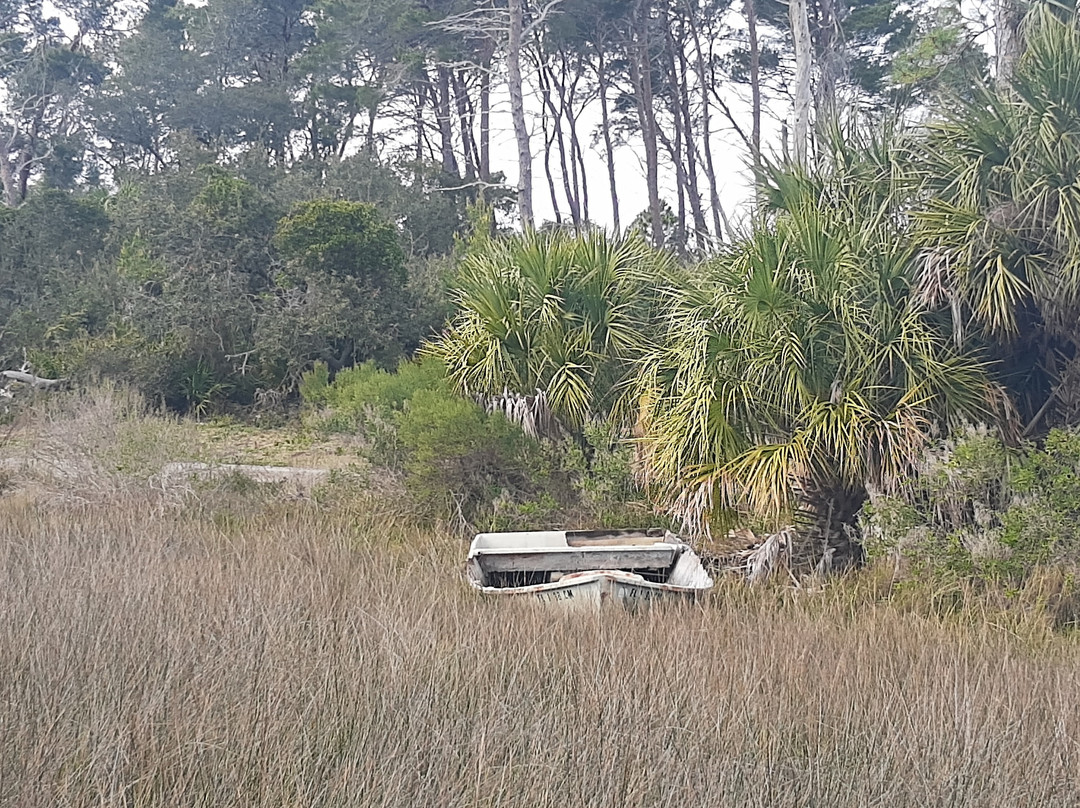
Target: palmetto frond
802	359
1002	200
553	313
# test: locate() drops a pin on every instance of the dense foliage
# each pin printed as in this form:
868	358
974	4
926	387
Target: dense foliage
465	465
556	316
979	506
800	365
890	291
205	287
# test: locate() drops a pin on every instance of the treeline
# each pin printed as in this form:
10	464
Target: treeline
202	287
101	92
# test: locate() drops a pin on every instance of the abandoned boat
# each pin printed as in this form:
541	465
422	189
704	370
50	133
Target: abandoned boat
627	567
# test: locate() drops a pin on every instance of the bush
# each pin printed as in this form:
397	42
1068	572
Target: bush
358	390
459	459
463	464
981	509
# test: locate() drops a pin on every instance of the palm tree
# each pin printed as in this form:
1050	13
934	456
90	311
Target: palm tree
799	367
552	320
999	222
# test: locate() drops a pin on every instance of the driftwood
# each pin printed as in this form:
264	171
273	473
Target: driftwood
37	382
301	477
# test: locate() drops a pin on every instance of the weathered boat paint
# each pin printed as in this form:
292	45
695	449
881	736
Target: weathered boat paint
586	569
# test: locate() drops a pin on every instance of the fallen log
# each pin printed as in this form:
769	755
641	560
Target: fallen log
302	477
37	382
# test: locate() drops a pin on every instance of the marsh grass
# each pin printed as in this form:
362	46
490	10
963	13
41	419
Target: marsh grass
242	649
297	657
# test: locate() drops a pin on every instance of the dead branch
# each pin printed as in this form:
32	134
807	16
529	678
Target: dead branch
37	382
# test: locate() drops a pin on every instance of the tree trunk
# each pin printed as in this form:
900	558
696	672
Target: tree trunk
549	147
750	10
1008	44
10	184
547	79
682	107
581	178
420	133
800	30
675	145
369	137
641	76
485	119
830	46
567	96
703	82
442	115
468	148
605	125
517	112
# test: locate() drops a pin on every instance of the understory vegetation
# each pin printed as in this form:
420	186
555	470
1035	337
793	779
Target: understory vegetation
469	466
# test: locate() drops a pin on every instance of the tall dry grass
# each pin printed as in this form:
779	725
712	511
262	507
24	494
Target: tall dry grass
288	656
243	651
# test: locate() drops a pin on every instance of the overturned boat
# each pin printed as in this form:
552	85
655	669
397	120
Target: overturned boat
627	567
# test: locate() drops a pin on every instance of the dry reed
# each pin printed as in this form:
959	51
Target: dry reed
289	656
251	652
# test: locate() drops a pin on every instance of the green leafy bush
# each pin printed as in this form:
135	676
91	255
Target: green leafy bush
459	458
463	464
315	384
980	508
361	388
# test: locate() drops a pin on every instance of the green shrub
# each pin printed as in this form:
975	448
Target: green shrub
461	463
357	390
981	509
315	384
460	459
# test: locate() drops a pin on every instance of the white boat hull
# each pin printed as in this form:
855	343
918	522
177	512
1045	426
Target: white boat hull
586	568
597	587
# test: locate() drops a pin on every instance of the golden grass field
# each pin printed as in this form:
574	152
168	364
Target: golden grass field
228	645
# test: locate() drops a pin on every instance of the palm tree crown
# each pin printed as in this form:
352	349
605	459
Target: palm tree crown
800	364
552	314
